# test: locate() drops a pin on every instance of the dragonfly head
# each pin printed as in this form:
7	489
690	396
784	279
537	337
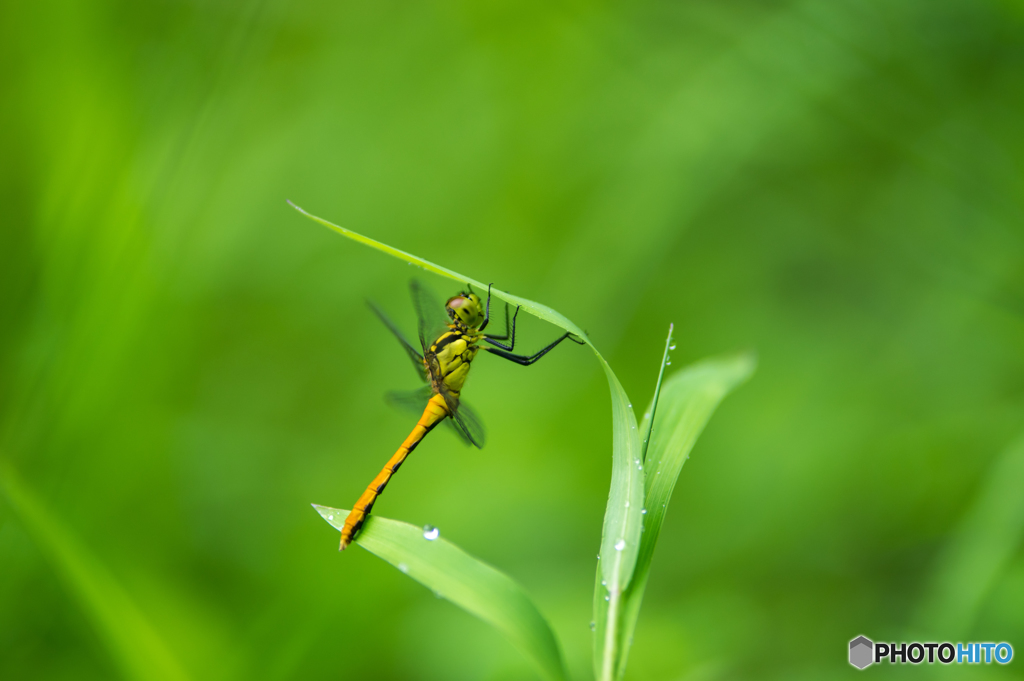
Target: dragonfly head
466	309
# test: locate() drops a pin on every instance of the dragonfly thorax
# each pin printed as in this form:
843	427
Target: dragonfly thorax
448	361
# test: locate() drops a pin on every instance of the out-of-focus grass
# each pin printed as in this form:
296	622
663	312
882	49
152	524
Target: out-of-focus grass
131	638
979	553
834	183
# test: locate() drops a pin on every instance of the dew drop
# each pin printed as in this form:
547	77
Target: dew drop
621	544
330	517
593	626
404	568
668	363
599	556
430	533
608	598
671	347
627	504
604	583
643	511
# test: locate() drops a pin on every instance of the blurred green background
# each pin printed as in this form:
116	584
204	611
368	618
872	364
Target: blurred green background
186	363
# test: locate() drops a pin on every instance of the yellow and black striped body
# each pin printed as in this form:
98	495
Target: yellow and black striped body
449	358
435	412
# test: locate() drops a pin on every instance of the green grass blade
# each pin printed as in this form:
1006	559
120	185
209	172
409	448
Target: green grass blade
536	309
687	400
133	642
608	599
453	574
648	425
622	521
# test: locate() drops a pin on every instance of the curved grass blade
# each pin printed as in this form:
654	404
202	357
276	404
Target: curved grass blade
133	642
607	599
687	400
453	574
622	521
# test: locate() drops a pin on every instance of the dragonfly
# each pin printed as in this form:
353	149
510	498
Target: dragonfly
450	337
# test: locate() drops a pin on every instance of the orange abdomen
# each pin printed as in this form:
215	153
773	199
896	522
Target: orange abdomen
435	412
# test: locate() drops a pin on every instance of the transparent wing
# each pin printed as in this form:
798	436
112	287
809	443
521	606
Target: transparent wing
433	320
414	402
414	355
469	426
465	421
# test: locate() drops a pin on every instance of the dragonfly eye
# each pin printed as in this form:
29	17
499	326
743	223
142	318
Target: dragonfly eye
465	309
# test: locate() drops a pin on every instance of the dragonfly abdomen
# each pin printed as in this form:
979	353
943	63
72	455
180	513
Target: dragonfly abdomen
435	412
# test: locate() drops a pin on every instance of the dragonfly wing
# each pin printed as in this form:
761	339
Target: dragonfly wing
465	421
433	321
414	355
412	401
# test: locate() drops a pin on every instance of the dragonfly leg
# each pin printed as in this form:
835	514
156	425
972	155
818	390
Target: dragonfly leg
505	336
493	340
527	360
487	310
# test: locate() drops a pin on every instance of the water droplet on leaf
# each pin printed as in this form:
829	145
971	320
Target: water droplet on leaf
430	533
621	544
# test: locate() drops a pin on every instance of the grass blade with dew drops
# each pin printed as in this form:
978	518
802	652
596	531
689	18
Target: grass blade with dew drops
683	404
622	522
608	600
471	584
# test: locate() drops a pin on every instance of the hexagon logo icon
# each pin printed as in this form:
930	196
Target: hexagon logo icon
861	652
